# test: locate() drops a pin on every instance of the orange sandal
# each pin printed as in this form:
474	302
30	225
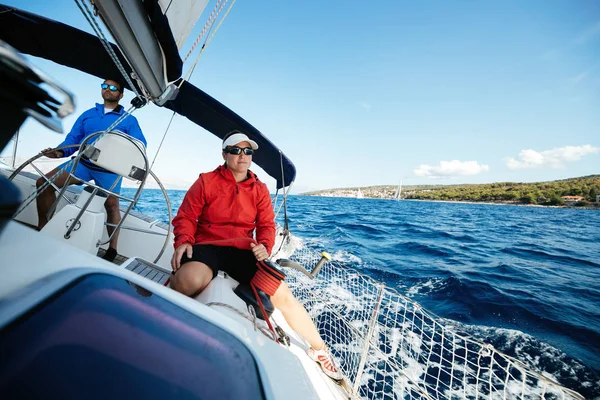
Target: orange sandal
325	360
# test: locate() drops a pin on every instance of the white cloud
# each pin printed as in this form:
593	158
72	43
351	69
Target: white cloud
451	168
365	105
554	158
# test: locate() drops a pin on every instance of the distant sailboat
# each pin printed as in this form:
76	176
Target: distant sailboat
398	194
359	194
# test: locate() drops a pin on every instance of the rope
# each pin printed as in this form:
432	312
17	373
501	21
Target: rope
208	25
262	309
262	329
189	74
265	279
87	13
162	140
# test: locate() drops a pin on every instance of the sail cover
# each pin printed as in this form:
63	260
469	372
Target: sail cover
42	37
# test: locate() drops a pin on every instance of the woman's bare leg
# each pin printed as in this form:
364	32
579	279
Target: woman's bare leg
296	316
191	278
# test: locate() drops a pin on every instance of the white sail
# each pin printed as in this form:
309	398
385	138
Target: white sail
182	16
398	194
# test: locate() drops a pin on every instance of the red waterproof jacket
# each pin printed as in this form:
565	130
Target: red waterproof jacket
217	207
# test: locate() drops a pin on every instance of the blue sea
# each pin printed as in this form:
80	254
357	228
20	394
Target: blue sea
525	279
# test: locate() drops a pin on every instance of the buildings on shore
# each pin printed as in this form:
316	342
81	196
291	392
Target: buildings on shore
373	193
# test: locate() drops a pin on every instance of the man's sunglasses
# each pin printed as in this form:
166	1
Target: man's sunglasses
236	151
112	88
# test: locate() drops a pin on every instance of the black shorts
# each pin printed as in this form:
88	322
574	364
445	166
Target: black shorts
239	264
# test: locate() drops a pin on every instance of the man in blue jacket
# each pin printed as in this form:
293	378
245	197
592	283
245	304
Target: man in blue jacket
91	121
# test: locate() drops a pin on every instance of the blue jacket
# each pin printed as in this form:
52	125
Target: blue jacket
94	120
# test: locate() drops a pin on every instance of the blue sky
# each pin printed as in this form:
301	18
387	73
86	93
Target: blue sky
360	94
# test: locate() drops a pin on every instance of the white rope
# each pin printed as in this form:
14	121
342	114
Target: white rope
189	74
87	13
207	26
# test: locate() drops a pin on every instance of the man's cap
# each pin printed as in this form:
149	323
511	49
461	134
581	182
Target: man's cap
238	138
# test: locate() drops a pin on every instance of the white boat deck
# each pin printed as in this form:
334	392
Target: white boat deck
30	258
219	296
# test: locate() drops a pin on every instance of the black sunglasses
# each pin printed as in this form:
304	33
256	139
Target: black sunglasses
112	88
238	150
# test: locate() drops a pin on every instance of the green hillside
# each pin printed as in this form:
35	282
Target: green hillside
543	193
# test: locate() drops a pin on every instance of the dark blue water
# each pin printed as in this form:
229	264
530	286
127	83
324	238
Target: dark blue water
525	279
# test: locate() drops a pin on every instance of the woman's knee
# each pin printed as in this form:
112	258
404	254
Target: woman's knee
192	279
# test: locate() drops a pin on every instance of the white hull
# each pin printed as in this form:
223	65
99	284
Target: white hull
31	257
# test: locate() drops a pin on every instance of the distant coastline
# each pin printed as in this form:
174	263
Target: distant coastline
581	192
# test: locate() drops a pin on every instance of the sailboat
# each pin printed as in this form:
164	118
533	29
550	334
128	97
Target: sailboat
398	193
73	324
359	194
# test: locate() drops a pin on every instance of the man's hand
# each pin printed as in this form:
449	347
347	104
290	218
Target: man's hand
53	154
260	251
179	251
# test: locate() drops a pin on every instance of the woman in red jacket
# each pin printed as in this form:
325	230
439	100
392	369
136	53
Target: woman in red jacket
230	203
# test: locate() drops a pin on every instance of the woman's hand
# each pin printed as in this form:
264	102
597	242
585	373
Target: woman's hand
176	260
260	251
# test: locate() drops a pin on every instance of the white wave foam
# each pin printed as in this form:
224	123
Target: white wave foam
425	287
345	256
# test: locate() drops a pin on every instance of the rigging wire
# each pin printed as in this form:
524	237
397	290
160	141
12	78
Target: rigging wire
87	13
187	77
207	29
141	100
207	26
285	218
162	140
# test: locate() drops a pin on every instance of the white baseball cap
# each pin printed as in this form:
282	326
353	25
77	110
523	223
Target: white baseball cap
238	138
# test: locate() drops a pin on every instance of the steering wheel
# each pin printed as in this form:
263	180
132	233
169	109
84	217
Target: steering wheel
48	182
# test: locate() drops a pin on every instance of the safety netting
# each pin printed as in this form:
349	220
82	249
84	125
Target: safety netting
389	347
